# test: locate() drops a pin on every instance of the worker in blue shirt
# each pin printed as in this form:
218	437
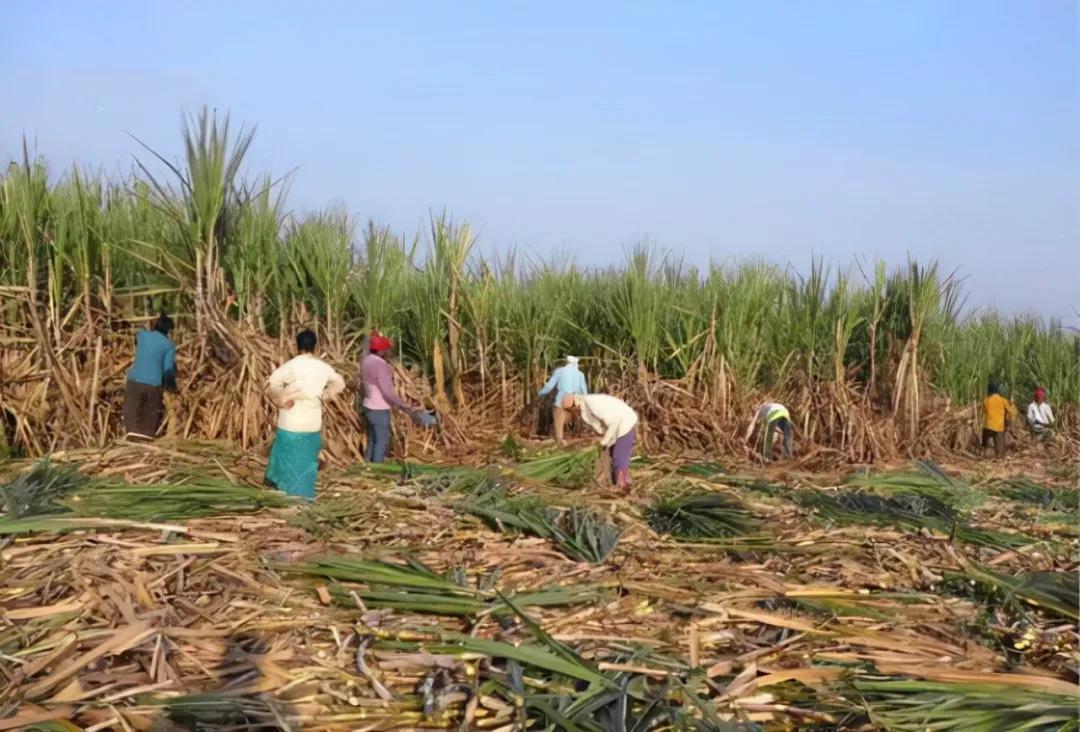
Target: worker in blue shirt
154	371
565	380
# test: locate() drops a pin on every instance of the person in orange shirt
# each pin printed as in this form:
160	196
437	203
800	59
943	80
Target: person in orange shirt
996	410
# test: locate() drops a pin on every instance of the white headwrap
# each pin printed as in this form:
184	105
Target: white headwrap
571	359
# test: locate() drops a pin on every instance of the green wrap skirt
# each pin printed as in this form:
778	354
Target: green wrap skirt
294	462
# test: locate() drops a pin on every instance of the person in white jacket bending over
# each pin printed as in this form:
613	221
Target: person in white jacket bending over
616	422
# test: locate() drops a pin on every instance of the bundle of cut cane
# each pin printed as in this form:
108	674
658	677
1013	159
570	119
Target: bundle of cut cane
413	587
697	516
910	511
579	533
927	480
901	703
51	497
569	469
1055	593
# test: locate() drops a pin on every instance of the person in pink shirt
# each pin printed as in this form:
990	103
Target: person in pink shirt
379	396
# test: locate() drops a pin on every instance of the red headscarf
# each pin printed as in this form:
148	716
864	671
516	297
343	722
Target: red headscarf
1040	393
378	342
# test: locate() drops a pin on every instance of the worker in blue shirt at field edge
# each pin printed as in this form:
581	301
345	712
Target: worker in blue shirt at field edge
154	371
565	380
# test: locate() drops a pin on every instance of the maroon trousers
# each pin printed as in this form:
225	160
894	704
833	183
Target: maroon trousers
620	456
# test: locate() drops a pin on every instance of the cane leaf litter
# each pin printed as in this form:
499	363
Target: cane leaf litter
495	596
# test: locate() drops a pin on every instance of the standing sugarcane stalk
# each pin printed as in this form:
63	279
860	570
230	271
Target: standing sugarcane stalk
76	262
29	212
454	333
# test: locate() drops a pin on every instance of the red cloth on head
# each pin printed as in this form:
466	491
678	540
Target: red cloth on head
1040	393
378	342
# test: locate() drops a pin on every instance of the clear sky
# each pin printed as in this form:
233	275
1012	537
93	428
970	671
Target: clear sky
947	129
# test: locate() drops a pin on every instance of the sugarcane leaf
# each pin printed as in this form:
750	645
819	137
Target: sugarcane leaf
553	716
562	650
536	656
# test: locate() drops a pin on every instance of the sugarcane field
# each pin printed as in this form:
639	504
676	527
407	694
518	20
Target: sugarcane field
394	414
748	499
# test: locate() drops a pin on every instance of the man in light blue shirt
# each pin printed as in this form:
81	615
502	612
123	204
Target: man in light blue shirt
565	380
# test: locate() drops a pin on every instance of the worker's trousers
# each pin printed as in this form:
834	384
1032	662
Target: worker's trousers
558	419
784	425
377	422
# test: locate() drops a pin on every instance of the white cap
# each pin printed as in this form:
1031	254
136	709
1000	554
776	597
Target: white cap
571	359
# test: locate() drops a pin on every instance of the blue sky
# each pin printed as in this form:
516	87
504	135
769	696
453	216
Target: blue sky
946	130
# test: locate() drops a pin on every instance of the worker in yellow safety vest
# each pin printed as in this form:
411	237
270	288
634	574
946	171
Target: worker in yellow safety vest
773	418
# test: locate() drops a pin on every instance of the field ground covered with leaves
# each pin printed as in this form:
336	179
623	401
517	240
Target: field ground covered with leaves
158	587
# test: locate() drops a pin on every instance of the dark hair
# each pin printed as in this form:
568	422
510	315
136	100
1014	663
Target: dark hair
992	388
163	324
306	341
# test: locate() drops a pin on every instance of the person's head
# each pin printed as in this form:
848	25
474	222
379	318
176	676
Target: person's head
992	388
1040	395
306	341
571	360
380	345
163	324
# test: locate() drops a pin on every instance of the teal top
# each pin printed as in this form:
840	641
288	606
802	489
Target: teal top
155	358
566	379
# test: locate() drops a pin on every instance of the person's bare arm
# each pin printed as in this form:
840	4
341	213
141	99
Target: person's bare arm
610	434
750	427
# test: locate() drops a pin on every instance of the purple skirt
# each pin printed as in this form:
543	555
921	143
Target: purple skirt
620	453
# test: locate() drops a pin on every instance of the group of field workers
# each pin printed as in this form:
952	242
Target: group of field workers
298	387
998	410
610	417
771	422
616	421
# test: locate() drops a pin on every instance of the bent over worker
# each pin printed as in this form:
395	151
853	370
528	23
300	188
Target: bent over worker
772	418
616	422
564	380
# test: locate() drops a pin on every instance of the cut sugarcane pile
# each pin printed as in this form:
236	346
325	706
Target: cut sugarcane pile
465	597
561	467
59	499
